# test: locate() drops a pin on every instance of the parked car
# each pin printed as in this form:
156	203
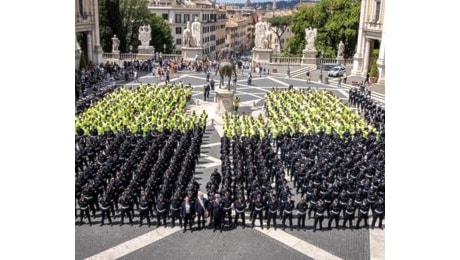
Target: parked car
336	71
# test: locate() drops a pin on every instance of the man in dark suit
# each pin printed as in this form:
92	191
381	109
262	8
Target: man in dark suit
187	213
217	213
201	205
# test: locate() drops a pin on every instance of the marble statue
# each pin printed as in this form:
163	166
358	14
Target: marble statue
310	37
115	43
341	49
260	30
145	35
187	37
268	36
196	32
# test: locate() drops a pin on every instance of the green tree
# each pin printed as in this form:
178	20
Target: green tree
161	34
279	25
109	23
123	18
134	13
336	20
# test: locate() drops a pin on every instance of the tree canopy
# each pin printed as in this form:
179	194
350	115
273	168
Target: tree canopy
336	20
123	18
279	25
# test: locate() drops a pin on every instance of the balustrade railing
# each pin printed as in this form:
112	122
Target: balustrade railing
286	60
137	56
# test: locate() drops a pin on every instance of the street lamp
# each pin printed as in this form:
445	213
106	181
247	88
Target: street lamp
289	69
164	47
131	52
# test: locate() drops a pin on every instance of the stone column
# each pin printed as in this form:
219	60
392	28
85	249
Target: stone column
381	59
77	53
97	57
89	43
358	57
366	54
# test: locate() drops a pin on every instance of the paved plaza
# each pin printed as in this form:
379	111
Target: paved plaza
134	242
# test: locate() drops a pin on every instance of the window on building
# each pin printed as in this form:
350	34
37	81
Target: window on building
377	10
178	18
186	18
204	17
178	30
165	16
178	41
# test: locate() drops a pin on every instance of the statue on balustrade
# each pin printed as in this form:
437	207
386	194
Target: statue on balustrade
310	37
145	34
196	32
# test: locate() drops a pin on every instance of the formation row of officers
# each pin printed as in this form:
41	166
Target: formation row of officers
221	209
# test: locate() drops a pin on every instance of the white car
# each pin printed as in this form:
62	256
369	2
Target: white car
336	71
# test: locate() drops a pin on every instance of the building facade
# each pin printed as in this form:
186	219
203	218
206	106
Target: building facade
237	33
177	14
87	25
371	34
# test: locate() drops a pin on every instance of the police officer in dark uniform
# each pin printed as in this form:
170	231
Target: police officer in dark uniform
319	215
258	209
363	213
104	205
175	210
217	213
301	213
84	209
378	213
349	213
287	213
125	208
334	213
240	206
227	209
272	209
144	209
161	210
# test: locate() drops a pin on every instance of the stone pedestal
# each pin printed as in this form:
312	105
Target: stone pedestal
309	57
224	100
341	60
191	53
116	55
381	68
262	55
145	50
98	54
77	58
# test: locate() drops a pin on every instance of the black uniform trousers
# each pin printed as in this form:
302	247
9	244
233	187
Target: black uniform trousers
301	220
188	220
126	211
376	216
257	213
271	215
318	219
176	214
106	213
289	216
85	211
237	214
161	215
335	217
144	213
